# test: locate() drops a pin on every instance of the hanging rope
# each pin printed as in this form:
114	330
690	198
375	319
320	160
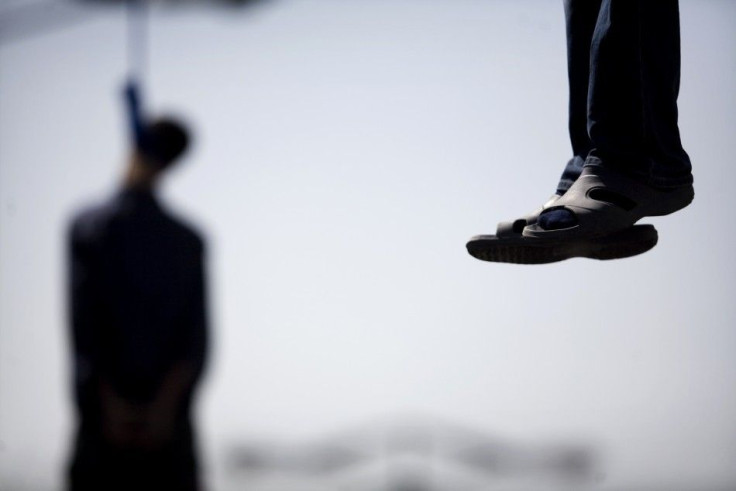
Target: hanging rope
137	47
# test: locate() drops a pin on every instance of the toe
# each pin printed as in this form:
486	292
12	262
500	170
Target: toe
557	219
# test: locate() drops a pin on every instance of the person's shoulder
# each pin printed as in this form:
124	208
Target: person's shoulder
92	221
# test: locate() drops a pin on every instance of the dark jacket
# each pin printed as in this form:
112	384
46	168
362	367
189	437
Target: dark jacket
137	305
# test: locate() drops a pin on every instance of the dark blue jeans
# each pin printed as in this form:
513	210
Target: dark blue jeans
624	76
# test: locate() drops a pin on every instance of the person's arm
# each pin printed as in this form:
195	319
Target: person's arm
119	420
195	322
181	378
161	414
194	336
83	312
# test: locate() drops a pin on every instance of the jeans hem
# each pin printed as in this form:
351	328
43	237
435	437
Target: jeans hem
655	181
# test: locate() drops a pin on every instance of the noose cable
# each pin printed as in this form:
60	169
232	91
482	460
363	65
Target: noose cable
137	52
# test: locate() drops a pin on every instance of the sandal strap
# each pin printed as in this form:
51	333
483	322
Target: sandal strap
515	227
604	201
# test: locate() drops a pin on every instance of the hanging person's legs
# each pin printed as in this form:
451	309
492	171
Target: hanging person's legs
636	166
509	245
623	67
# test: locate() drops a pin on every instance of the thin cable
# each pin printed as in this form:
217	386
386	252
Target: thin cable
137	45
137	40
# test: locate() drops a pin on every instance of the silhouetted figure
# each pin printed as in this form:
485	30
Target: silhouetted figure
139	331
628	161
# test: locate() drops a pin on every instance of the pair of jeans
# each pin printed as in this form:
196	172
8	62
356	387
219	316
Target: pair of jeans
624	77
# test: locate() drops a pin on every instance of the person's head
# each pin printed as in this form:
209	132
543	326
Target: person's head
163	143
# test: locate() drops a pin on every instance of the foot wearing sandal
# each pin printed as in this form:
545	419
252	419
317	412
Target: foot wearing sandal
595	219
602	202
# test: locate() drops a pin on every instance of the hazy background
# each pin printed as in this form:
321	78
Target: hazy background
345	152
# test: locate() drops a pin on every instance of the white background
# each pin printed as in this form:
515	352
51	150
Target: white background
345	151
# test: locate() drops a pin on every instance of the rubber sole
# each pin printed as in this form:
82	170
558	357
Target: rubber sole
632	241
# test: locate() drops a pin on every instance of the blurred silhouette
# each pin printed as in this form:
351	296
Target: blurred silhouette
139	329
416	453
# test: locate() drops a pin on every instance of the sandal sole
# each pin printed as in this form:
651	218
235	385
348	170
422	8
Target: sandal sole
632	241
